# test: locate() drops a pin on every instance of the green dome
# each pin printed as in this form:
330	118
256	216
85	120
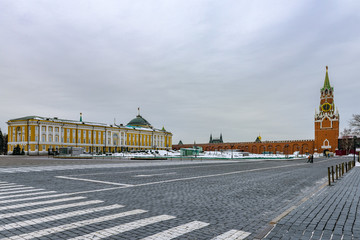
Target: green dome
139	121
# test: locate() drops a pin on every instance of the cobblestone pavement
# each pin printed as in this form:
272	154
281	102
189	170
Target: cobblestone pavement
332	213
151	200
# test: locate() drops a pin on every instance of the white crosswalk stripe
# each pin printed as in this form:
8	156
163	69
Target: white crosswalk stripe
177	231
15	188
36	198
20	191
47	209
123	228
26	194
9	185
29	204
65	227
97	166
232	235
57	217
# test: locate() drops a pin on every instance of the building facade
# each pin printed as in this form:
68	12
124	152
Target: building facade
37	135
326	122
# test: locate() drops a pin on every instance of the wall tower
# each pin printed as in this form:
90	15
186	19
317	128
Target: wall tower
326	120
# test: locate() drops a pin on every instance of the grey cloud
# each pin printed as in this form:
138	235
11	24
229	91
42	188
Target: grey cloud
194	67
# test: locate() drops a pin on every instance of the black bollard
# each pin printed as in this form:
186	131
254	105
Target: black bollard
336	171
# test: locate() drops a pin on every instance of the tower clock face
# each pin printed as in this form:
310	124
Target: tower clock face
326	107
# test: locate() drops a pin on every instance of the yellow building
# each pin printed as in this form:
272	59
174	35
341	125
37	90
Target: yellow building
36	135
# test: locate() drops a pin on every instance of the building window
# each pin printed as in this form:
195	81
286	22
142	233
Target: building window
43	138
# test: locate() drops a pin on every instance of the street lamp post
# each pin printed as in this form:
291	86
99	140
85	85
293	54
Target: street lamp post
354	148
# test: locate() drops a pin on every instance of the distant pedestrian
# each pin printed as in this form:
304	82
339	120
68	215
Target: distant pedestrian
311	158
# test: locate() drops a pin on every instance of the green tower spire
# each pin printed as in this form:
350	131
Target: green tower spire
327	81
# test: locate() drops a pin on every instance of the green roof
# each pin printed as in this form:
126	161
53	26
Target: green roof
327	81
139	121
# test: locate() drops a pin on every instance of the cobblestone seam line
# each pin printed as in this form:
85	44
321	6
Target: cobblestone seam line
331	214
273	222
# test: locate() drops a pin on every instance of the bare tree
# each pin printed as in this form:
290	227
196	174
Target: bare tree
355	124
347	140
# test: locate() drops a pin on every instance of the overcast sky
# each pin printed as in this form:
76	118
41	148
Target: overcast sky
239	68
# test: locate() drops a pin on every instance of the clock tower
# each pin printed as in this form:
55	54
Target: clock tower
326	120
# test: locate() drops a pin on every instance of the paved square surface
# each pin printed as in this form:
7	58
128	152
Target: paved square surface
43	198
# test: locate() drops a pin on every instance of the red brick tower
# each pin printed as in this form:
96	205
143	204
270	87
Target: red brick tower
326	120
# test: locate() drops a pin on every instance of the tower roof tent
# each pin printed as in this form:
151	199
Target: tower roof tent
327	81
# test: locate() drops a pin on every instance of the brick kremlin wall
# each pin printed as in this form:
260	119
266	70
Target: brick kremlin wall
285	147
